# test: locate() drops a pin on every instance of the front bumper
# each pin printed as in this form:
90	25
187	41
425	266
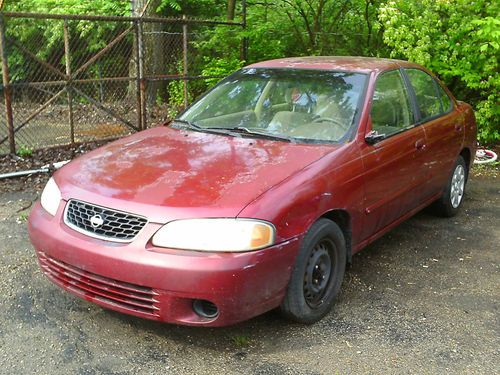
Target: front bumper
160	284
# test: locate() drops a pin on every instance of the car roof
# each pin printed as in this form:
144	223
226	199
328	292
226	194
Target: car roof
338	63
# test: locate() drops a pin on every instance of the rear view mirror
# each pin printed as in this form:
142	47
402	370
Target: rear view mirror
374	137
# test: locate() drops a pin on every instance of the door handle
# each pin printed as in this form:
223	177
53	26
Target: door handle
420	144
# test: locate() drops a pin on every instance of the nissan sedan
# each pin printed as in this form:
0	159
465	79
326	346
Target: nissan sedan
258	194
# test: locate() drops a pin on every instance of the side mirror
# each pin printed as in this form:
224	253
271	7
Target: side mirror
373	137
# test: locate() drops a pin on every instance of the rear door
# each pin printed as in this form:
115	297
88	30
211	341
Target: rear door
393	165
443	127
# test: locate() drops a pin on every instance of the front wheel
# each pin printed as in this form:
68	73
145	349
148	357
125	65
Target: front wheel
317	274
449	204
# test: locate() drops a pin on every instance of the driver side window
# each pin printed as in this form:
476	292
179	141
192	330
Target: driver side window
391	111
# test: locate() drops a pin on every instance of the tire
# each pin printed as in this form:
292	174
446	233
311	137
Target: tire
450	202
313	285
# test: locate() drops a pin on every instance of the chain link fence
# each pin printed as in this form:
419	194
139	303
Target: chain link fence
68	79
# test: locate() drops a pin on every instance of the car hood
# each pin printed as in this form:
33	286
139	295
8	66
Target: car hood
166	173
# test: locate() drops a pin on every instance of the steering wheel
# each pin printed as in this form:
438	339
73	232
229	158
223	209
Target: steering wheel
329	119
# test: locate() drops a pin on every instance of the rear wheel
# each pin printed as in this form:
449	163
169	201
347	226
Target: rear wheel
317	274
449	204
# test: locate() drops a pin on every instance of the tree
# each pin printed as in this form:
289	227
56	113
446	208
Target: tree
231	8
459	40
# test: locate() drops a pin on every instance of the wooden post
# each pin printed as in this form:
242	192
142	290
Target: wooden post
6	87
69	89
185	60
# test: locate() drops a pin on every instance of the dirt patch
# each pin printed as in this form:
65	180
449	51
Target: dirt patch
37	159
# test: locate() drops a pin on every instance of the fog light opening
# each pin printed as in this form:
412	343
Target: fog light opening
205	309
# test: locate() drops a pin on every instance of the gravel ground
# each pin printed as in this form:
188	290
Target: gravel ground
422	299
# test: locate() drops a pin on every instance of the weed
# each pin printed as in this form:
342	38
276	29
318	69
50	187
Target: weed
22	218
241	340
24	151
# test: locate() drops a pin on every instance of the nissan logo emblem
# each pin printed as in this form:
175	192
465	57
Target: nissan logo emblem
96	221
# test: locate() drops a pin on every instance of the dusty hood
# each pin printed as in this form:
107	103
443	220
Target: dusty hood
187	172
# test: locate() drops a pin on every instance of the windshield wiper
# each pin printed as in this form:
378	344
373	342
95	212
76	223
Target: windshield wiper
231	131
262	134
190	124
193	126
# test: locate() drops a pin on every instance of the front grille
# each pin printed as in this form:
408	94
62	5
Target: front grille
131	297
102	222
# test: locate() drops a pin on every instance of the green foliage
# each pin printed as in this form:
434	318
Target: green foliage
98	7
459	40
192	8
175	91
45	37
314	27
24	151
220	68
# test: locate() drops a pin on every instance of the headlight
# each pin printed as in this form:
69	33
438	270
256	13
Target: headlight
51	196
228	235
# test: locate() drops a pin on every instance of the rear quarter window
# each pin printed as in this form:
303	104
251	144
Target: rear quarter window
426	92
445	99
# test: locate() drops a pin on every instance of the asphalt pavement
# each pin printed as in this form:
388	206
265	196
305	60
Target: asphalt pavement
422	299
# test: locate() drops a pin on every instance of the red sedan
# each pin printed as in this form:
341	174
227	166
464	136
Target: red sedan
258	195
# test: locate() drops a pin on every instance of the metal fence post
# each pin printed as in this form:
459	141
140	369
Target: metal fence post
6	87
138	76
185	61
142	81
69	88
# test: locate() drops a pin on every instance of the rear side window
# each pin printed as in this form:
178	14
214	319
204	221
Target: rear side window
391	111
426	91
445	99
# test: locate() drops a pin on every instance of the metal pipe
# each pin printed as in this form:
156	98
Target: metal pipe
142	83
61	83
118	18
67	57
185	61
178	77
23	173
6	87
138	76
45	169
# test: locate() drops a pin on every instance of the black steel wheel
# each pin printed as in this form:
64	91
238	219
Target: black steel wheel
317	274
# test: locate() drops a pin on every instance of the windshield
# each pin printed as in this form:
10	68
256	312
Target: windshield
312	105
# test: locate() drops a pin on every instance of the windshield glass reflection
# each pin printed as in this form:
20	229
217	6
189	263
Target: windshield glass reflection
297	104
